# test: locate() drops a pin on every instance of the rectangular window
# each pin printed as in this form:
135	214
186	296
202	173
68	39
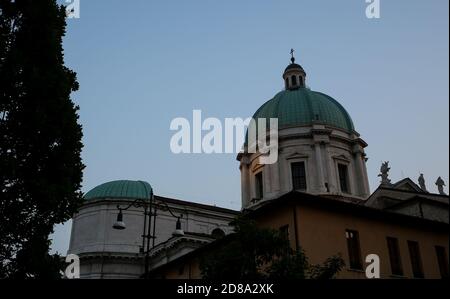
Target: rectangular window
298	175
354	249
259	185
442	261
416	260
394	256
343	177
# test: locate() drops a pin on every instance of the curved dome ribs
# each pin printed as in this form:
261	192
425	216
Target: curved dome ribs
304	107
121	189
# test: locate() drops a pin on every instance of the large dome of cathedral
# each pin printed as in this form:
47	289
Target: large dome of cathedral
302	106
315	147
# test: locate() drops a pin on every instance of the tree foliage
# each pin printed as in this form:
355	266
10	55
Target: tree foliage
262	253
40	138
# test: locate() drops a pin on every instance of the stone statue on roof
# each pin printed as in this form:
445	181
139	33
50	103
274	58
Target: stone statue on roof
384	173
440	184
422	182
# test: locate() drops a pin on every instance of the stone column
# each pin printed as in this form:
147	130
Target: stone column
245	184
275	177
366	177
331	177
320	183
283	179
361	174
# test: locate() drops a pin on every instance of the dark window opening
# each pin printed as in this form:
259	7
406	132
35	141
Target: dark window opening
416	260
354	249
298	175
259	185
294	80
394	256
442	261
343	177
287	83
301	81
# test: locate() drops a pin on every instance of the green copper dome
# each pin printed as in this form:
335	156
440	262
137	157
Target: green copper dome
303	106
121	189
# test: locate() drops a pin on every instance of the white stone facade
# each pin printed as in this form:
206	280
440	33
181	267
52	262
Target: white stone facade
109	253
322	149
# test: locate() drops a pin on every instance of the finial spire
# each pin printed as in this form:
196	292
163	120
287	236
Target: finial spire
292	56
294	75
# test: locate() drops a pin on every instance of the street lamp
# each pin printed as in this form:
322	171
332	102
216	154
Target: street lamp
178	231
149	230
119	224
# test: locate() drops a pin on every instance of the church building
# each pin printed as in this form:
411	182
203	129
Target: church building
317	193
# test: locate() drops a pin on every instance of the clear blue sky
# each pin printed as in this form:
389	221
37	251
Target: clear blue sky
142	63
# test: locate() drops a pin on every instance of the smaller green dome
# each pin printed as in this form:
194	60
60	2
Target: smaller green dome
125	189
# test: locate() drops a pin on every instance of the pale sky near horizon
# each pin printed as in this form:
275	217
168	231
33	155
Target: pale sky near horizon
142	63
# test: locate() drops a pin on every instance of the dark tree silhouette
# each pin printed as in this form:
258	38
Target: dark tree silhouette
40	138
261	253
